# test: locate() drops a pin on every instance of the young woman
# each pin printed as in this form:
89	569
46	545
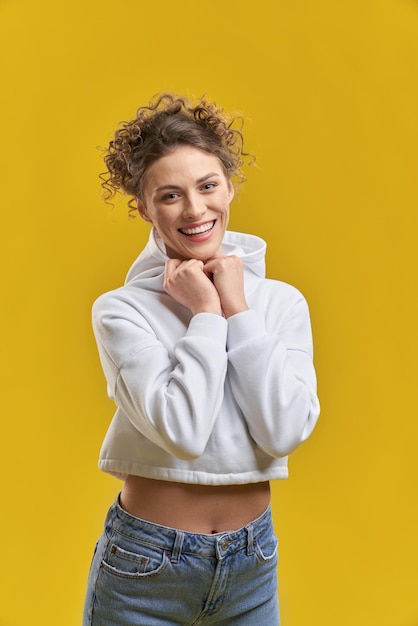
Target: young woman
210	366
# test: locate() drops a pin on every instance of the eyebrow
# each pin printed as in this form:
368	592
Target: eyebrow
199	180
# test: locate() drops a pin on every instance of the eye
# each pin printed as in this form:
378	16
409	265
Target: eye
170	196
209	186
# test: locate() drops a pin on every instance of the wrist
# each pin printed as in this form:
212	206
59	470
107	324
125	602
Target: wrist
234	311
213	307
237	305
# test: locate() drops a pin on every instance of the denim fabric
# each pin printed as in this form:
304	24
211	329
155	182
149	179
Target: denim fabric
144	574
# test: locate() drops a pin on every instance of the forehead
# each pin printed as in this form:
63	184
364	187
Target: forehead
183	164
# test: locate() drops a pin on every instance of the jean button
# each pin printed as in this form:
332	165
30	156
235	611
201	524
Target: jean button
224	544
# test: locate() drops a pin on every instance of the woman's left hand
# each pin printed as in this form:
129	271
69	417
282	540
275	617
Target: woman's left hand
227	274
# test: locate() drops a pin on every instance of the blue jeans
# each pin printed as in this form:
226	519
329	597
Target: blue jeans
144	574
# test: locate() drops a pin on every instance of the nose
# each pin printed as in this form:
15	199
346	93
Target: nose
194	207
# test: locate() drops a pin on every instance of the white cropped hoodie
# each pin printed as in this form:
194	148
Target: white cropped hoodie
201	399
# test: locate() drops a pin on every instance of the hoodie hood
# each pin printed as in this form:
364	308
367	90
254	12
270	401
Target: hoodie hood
150	264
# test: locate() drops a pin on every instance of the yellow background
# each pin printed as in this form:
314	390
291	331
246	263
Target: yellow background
331	92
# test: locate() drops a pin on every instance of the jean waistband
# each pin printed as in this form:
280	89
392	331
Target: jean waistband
178	541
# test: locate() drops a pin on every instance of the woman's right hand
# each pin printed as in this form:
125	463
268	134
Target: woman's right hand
187	283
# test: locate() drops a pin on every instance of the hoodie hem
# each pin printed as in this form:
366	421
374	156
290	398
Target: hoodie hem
121	469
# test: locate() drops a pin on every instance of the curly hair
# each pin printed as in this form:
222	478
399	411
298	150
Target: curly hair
169	121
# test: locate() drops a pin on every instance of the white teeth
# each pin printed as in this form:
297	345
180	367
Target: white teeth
199	230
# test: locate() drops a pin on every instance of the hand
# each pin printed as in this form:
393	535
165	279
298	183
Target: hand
227	274
189	285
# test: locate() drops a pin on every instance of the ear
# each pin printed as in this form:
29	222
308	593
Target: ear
231	190
142	210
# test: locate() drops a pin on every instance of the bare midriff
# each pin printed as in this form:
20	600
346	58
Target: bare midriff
194	508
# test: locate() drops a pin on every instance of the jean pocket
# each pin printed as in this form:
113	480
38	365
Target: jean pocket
145	561
266	547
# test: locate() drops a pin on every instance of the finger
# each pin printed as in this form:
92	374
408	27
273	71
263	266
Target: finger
192	266
208	273
171	265
212	264
219	264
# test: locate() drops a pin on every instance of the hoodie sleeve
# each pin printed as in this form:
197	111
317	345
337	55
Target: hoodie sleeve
272	375
173	400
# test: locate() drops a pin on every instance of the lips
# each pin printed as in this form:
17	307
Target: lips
203	229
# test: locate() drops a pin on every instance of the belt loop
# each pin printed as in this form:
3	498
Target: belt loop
250	540
178	544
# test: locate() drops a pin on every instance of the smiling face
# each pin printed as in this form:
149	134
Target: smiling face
186	198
